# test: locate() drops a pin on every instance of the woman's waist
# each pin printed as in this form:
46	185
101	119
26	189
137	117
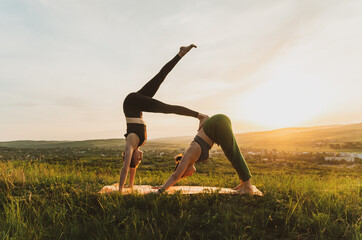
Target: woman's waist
135	120
201	133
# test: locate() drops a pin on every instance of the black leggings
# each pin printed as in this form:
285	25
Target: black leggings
137	102
142	101
150	88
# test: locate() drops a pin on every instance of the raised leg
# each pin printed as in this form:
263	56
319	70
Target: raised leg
153	85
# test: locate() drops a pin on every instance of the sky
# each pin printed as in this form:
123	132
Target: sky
66	66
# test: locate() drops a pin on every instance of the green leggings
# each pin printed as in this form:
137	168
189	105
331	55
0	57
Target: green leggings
218	128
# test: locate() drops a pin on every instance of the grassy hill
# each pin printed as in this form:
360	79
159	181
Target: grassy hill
52	193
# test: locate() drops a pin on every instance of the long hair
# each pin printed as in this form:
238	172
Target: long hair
131	164
177	160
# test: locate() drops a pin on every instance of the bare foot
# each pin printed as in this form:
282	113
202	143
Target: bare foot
244	188
202	118
238	186
185	49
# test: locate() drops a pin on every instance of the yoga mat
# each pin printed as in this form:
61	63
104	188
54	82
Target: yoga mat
146	189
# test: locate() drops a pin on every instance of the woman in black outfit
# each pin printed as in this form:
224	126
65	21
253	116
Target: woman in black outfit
142	101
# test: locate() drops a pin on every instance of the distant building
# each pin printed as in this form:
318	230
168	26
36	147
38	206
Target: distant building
350	154
347	159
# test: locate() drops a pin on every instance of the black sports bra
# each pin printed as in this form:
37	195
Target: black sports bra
139	130
205	148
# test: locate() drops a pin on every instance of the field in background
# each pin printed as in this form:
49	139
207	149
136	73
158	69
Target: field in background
331	138
50	193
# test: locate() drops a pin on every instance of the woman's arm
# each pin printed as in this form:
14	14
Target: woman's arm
191	156
132	174
202	118
131	144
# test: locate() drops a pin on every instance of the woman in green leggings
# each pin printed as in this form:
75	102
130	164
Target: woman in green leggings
216	129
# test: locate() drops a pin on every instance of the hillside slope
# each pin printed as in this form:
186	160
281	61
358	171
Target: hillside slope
306	137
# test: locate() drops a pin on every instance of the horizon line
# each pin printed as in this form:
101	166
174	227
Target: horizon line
156	138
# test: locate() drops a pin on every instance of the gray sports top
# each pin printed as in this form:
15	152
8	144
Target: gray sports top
205	147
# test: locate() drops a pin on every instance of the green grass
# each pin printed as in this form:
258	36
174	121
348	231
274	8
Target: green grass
58	200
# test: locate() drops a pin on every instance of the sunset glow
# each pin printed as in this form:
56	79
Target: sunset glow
282	102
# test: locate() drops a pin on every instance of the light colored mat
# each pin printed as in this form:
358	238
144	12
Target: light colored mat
145	189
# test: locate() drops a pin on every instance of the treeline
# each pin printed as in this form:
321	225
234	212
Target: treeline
56	154
274	155
94	156
256	155
346	145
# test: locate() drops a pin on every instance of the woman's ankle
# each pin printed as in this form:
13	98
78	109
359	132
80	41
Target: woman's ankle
185	49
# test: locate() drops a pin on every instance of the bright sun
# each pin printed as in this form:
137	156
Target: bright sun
282	102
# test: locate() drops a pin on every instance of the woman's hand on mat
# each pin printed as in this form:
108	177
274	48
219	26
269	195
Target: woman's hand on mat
202	118
185	49
159	188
